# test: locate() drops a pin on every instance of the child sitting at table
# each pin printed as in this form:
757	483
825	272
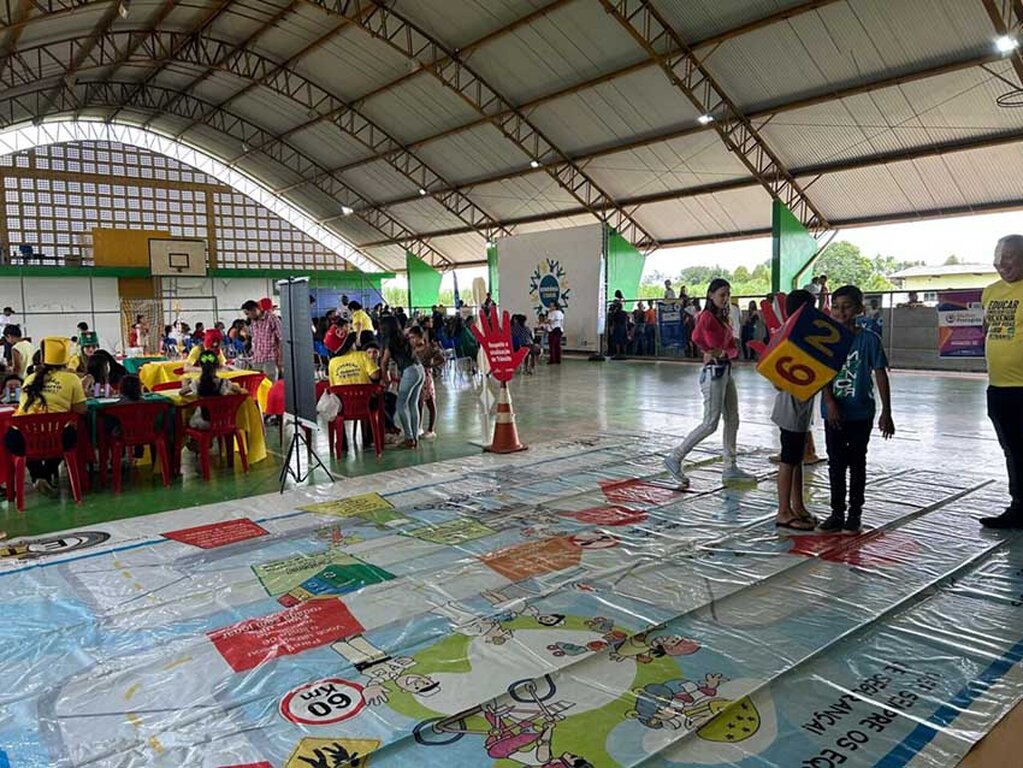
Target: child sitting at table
103	372
208	384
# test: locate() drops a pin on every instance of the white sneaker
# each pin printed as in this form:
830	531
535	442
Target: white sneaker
733	474
674	467
431	435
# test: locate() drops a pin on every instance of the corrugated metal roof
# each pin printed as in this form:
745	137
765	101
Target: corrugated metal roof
813	53
575	42
684	162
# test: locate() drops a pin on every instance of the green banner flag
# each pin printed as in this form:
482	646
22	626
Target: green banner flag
423	282
493	281
624	266
793	248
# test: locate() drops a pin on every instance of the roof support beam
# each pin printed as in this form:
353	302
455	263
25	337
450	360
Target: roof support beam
448	67
153	99
205	51
808	172
1007	21
644	63
262	28
760	114
688	74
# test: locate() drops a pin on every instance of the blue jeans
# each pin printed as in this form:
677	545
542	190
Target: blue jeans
412	380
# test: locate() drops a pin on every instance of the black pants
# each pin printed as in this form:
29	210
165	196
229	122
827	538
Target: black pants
46	469
847	450
1005	409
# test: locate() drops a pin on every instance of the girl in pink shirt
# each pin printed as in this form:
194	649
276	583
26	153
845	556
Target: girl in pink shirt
714	338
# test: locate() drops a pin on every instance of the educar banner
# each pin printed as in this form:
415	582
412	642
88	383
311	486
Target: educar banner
960	324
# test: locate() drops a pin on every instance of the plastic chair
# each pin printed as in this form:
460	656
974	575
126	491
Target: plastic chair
359	402
250	383
223	414
43	433
137	423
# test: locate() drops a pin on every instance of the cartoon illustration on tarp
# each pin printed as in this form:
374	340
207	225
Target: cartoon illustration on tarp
522	729
382	669
679	703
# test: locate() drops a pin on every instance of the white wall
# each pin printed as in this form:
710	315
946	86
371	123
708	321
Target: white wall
53	306
523	260
195	297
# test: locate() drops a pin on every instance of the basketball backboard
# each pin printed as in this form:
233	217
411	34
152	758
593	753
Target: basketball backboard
177	257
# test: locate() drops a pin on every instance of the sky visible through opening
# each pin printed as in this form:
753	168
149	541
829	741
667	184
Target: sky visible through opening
970	238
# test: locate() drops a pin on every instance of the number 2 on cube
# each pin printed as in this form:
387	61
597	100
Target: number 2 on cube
823	341
797	373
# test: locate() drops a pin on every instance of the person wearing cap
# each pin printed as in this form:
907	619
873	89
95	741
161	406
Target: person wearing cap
336	334
211	342
51	388
88	342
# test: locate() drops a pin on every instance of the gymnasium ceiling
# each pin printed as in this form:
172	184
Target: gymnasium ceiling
438	125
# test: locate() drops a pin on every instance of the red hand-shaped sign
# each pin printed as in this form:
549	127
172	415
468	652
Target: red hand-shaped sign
495	338
771	320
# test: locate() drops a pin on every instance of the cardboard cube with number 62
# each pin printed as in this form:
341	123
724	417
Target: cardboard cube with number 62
806	353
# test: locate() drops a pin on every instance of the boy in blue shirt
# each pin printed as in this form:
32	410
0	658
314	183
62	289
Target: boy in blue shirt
848	406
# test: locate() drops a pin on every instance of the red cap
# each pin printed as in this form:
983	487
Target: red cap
211	337
266	305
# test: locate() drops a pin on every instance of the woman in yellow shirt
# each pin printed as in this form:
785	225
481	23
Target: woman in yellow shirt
51	388
361	321
211	342
352	366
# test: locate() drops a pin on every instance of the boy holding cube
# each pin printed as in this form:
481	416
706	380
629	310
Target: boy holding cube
849	407
792	416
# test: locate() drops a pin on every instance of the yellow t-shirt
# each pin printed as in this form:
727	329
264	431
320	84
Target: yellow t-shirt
62	390
194	352
356	367
1003	313
361	321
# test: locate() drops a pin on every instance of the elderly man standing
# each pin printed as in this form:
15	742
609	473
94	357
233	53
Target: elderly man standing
1003	315
267	338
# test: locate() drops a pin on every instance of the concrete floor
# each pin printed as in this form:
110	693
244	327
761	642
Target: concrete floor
940	418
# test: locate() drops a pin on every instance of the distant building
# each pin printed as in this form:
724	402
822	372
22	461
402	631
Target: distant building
926	280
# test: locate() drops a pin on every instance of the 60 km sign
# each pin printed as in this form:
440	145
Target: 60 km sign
323	702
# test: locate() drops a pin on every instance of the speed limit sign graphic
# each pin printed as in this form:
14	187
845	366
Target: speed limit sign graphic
323	702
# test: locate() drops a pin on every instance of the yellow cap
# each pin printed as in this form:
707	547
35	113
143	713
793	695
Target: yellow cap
56	350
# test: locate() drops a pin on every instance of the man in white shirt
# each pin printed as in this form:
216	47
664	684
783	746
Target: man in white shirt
556	322
669	292
813	287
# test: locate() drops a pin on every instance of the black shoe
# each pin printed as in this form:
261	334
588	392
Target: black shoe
1010	518
833	524
852	524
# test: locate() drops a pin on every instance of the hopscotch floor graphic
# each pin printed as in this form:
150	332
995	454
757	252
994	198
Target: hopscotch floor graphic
560	609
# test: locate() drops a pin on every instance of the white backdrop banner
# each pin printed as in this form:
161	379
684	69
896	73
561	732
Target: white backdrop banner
562	265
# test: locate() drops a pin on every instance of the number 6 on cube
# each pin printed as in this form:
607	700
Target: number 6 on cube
806	353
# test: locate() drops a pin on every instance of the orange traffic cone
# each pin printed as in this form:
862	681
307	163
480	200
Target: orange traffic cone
506	437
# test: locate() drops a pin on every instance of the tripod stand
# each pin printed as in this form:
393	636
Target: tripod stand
299	380
300	436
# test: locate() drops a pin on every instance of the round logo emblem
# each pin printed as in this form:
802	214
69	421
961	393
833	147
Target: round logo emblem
548	285
323	702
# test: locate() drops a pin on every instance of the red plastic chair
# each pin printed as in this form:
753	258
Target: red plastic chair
250	383
166	386
43	440
138	426
359	402
223	411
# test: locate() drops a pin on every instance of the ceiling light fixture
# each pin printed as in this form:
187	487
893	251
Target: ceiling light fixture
705	119
422	192
245	147
124	8
347	210
490	243
534	163
1006	44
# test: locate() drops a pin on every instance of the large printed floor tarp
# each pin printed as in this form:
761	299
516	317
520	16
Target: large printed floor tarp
560	608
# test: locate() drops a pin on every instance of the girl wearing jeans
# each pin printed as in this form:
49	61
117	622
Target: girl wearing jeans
411	377
714	338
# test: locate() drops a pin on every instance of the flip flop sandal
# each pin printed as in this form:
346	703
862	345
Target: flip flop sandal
797	524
